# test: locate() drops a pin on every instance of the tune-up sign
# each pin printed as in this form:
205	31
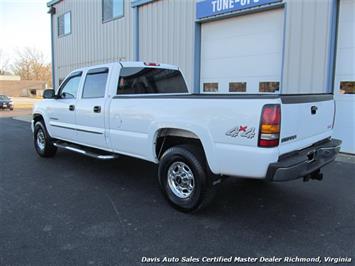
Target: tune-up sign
209	8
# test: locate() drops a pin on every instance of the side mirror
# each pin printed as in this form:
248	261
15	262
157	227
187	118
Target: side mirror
48	94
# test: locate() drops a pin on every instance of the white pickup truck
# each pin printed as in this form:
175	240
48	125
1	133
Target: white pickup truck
144	110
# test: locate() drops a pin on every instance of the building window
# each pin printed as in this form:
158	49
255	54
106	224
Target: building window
64	24
210	87
112	9
237	87
347	87
269	86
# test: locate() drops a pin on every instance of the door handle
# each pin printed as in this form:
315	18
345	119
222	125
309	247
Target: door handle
314	110
71	107
97	109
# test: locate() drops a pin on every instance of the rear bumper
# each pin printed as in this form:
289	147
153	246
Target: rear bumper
304	162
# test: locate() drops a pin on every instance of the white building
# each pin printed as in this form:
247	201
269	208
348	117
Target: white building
222	46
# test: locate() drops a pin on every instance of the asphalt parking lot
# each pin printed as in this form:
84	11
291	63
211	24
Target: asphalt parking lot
77	210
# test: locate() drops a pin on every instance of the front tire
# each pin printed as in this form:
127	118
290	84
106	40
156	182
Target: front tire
42	141
184	178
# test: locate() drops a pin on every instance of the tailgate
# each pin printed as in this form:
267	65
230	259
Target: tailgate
306	119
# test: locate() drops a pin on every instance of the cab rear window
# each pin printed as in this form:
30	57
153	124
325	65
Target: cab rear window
143	80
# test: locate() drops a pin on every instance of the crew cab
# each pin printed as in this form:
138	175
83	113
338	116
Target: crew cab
144	110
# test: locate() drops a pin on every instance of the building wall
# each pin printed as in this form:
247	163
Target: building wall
17	88
306	57
166	34
91	41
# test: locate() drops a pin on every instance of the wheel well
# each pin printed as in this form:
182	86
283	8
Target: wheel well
37	117
169	137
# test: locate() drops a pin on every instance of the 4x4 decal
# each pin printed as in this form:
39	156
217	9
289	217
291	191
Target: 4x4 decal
241	131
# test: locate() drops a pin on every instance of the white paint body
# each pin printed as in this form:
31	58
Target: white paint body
129	124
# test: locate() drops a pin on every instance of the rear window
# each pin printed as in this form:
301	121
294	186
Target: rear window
141	80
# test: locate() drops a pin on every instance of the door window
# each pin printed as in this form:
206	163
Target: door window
269	86
237	86
210	87
70	87
95	83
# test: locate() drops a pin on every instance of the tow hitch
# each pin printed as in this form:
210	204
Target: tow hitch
317	175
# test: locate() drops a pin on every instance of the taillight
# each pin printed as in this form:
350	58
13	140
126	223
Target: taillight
269	132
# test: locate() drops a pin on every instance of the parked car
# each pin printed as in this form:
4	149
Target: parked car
144	110
6	103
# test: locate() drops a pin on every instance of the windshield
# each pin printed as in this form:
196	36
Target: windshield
144	80
4	98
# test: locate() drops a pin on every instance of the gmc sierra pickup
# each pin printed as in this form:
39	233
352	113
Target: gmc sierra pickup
144	110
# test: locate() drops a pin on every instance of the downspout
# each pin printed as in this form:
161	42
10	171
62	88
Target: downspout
52	12
334	17
197	59
135	35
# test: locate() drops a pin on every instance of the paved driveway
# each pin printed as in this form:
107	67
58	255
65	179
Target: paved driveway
77	210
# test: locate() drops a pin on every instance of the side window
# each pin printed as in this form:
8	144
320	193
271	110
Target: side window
70	87
95	83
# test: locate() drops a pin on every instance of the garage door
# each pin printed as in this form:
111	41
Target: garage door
344	87
242	54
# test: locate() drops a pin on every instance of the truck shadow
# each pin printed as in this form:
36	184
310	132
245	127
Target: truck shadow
235	197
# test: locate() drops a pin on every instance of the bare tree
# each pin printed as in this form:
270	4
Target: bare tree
31	65
4	63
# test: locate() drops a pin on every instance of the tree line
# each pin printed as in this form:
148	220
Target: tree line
29	64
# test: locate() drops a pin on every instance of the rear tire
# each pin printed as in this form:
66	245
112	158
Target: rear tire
185	178
42	141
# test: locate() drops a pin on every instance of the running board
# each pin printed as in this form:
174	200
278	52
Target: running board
80	150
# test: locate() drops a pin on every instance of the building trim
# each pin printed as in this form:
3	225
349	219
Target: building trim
136	3
333	42
53	2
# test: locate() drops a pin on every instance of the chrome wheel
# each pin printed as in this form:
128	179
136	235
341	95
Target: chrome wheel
41	141
181	180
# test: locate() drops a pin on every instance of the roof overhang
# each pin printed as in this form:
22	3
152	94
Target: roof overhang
135	3
53	2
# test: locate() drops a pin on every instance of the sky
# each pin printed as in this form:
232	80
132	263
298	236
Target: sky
24	23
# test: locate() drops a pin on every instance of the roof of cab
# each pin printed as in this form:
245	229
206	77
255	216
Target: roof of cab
147	64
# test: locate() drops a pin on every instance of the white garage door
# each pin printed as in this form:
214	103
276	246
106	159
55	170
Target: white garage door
242	54
344	87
